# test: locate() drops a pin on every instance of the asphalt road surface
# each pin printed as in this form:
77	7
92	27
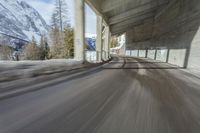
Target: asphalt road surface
128	95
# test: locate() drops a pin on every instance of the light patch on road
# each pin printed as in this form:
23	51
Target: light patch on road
141	71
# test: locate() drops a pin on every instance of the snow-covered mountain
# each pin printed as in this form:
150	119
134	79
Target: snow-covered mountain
19	20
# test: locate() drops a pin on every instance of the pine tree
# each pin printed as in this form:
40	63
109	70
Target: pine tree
59	22
60	15
57	46
44	50
54	21
5	52
33	41
69	41
32	51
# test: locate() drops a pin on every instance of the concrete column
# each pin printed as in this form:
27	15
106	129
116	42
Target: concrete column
146	53
79	30
99	46
155	57
167	59
107	42
110	37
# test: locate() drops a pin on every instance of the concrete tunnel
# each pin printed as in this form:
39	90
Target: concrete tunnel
167	30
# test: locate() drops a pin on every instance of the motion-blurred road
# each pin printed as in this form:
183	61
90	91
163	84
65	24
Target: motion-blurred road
127	95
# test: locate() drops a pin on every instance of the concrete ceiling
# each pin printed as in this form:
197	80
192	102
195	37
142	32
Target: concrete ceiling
122	15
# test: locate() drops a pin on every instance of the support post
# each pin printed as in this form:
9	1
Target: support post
146	53
167	59
110	37
155	57
99	38
107	42
79	30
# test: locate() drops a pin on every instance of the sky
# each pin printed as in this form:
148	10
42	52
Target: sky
45	8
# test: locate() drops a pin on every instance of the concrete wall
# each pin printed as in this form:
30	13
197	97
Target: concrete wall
174	32
151	54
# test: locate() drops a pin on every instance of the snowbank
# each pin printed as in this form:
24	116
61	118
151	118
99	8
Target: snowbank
12	70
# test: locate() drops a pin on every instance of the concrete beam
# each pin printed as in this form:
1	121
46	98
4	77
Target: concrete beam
121	30
126	25
111	5
95	6
171	3
140	10
134	20
79	30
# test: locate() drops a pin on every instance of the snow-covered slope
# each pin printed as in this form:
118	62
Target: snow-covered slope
20	20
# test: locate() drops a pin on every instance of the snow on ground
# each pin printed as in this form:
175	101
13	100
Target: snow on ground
12	70
45	62
90	35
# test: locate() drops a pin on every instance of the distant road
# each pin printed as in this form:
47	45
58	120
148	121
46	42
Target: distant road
128	95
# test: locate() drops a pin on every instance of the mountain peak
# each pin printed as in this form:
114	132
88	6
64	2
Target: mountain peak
25	5
19	19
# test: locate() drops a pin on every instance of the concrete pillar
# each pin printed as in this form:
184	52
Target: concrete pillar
146	53
79	30
110	37
103	43
167	59
107	42
155	57
99	46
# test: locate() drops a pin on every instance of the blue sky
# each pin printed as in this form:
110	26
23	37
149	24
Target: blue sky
45	8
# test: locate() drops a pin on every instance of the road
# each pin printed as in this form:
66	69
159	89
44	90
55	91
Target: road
127	95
